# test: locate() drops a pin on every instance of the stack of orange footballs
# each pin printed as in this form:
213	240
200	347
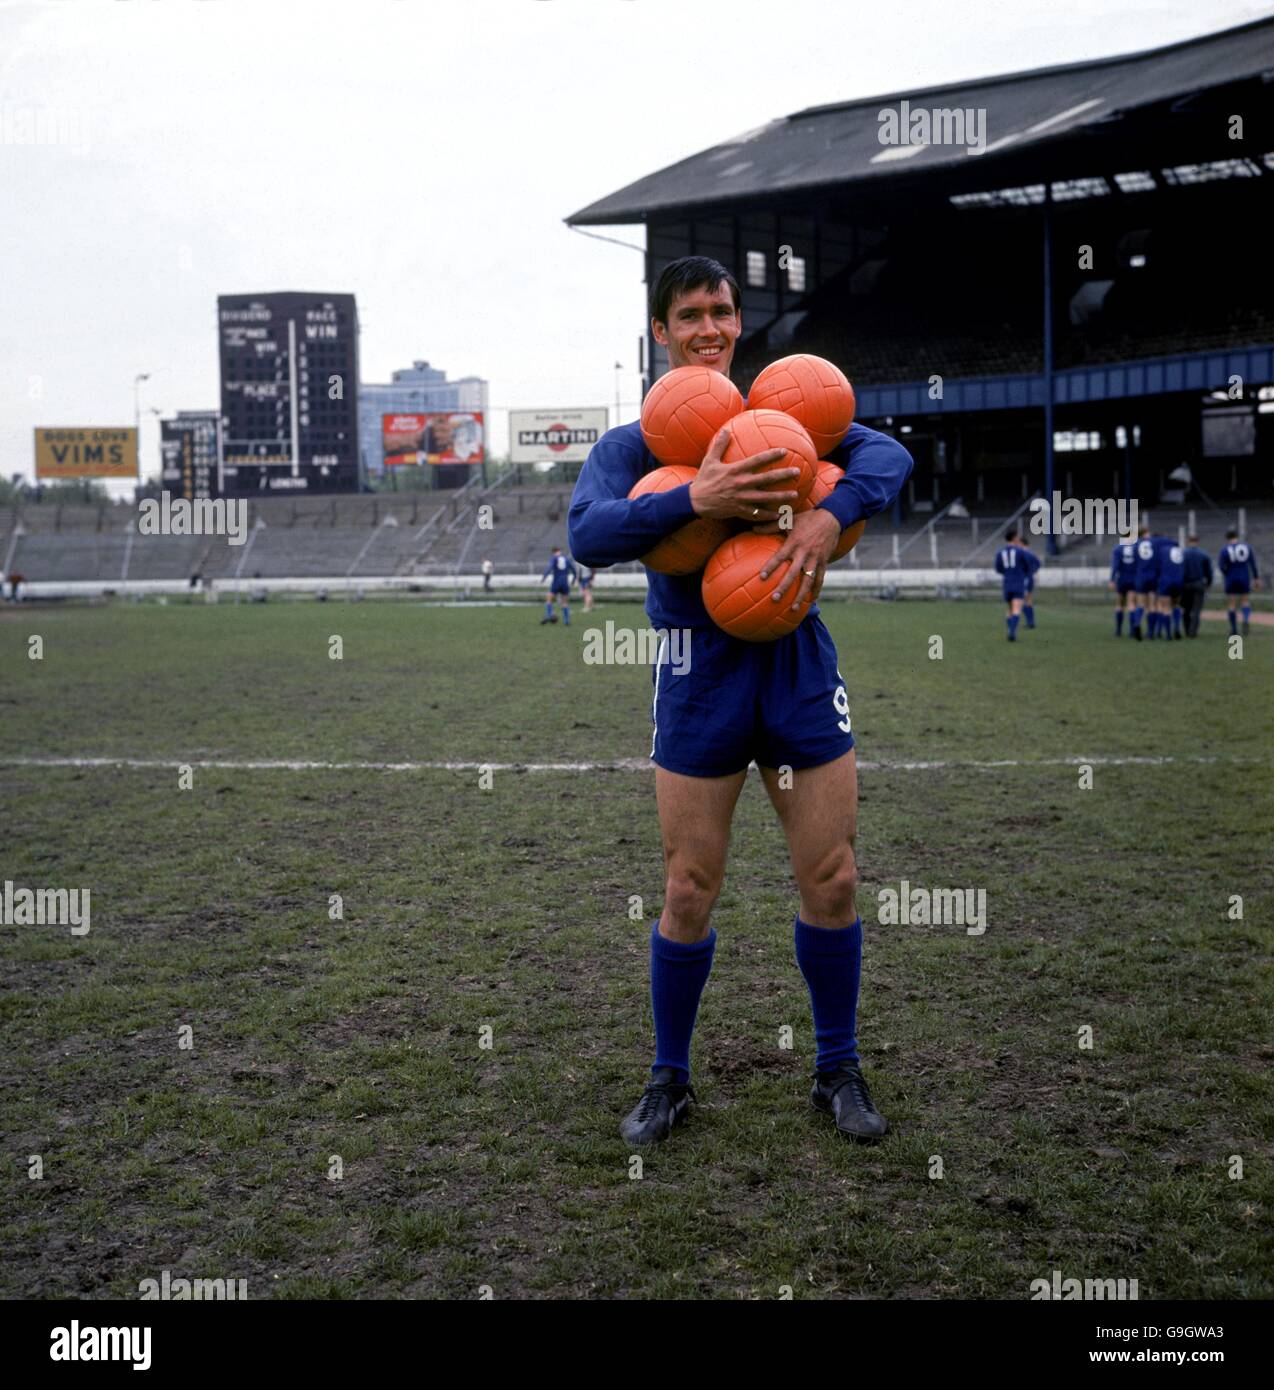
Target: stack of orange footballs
801	404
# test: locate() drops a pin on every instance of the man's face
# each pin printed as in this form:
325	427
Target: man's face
702	329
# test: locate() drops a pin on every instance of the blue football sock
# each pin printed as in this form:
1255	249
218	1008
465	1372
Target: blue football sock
566	614
1029	613
831	959
1136	618
1119	622
1176	619
1234	622
678	974
548	609
1013	621
1247	612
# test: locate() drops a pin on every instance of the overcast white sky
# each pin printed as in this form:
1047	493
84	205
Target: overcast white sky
419	153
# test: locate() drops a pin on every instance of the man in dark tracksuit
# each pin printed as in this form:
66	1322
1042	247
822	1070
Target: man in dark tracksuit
1197	581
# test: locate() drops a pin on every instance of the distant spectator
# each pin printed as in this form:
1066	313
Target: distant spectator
16	581
488	569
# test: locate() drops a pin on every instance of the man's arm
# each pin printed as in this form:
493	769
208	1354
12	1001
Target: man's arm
876	466
1207	570
604	526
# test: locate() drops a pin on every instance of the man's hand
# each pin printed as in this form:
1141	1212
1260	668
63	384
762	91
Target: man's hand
731	490
1110	584
808	547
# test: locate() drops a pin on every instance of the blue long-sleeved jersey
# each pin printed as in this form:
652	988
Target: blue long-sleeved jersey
1237	562
606	527
1171	562
1146	575
1032	562
1197	566
560	567
1123	564
1010	563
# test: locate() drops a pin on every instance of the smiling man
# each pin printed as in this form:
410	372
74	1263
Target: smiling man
782	704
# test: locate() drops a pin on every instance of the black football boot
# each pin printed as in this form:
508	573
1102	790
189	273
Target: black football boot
843	1093
663	1104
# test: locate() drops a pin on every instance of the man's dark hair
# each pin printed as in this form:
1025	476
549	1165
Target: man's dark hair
682	276
1192	540
1231	535
1011	534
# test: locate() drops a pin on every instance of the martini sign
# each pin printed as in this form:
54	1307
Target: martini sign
559	436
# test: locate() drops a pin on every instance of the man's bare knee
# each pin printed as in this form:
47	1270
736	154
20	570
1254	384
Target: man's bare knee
828	893
689	895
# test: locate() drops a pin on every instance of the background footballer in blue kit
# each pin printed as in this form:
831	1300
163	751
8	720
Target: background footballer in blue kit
1145	579
1032	562
561	574
1010	564
1171	576
1123	570
1237	563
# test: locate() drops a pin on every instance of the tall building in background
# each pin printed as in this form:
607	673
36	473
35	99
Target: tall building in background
289	393
414	390
188	454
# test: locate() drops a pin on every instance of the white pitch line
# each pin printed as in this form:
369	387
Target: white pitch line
618	765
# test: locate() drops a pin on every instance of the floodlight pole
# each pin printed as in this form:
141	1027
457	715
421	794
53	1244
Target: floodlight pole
137	421
1050	543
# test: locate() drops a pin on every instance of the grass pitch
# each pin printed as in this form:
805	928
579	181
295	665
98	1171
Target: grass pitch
336	1128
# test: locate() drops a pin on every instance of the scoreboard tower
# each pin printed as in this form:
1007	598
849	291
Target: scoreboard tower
188	449
289	393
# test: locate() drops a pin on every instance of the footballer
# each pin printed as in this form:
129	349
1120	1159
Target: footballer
561	575
782	704
1123	569
1237	563
1012	567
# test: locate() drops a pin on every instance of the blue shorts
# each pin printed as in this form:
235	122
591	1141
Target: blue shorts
1030	587
780	704
1237	586
1012	593
1145	584
1125	586
556	588
1167	589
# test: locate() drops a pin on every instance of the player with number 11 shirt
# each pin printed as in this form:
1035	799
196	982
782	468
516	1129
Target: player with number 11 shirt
782	704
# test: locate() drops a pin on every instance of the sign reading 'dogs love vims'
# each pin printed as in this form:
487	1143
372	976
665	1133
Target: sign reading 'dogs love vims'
433	436
91	452
559	436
